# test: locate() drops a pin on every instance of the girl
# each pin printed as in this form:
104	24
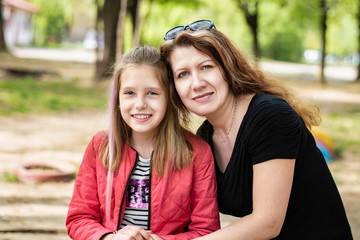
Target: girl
268	168
163	176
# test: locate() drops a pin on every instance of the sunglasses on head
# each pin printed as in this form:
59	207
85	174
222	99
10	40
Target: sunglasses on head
195	26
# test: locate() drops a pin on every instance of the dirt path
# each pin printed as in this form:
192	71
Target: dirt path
38	211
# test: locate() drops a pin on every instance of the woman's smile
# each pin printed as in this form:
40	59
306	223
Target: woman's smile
198	80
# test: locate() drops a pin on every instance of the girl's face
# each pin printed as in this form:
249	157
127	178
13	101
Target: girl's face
143	100
198	81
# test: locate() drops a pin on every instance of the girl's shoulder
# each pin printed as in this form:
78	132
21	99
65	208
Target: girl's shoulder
99	136
197	143
99	139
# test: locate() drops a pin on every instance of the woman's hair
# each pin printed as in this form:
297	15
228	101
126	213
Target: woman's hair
171	148
243	76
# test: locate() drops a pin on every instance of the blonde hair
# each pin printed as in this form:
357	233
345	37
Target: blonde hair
171	147
243	76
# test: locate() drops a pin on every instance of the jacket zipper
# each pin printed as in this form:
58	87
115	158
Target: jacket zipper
126	187
150	193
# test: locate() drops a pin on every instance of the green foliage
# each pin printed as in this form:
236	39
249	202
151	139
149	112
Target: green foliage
284	46
283	40
341	40
285	27
159	16
10	177
52	22
344	129
31	96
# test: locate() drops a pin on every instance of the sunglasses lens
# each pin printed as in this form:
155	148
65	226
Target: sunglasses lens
201	25
172	33
198	25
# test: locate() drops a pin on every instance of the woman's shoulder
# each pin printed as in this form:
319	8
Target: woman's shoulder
269	105
263	99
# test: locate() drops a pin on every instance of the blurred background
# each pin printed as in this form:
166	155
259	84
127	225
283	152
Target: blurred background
55	65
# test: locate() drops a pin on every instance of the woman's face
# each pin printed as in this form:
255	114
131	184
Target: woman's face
198	81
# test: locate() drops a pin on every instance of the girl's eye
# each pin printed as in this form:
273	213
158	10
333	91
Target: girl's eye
128	92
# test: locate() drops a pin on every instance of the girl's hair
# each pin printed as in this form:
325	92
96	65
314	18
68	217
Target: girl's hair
241	74
171	148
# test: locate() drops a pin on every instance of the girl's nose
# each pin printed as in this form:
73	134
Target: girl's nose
197	82
140	103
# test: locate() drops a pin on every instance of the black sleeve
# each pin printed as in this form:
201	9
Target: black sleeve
275	132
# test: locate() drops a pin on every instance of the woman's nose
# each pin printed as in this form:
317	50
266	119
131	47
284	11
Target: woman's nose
197	81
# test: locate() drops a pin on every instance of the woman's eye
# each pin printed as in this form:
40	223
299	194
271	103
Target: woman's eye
129	93
153	93
206	67
183	74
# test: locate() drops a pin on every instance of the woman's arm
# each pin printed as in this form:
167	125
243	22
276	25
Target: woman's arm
271	191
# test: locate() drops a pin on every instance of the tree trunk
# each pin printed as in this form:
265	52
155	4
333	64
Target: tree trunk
120	28
323	26
110	16
98	29
252	21
358	19
134	10
3	47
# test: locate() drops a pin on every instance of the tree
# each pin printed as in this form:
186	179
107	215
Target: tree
134	11
3	47
99	25
321	9
120	24
323	27
110	16
358	20
251	11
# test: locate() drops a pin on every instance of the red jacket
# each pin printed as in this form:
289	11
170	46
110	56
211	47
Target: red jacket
182	206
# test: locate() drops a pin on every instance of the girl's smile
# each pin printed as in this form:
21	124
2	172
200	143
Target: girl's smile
142	99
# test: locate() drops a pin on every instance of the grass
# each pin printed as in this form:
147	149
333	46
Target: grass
344	130
28	95
10	177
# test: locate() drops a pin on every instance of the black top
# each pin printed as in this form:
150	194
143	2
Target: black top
271	129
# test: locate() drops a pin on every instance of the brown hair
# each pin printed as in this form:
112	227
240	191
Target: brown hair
170	143
241	74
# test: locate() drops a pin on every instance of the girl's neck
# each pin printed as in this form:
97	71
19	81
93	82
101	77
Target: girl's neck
144	145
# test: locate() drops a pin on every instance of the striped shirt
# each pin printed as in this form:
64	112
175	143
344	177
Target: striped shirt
137	196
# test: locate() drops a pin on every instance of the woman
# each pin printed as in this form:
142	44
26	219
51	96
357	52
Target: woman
269	170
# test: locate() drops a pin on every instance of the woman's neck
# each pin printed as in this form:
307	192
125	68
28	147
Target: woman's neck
223	119
226	121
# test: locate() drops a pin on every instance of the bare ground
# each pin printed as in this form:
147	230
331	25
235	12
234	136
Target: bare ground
38	210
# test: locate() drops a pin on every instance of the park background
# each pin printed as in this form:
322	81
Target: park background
54	83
